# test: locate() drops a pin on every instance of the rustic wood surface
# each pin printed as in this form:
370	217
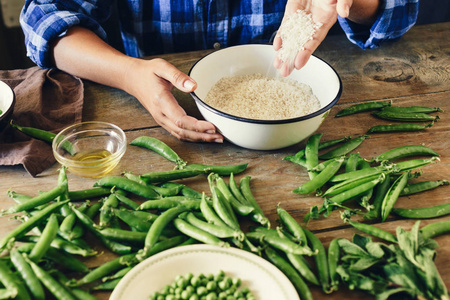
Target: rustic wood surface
412	71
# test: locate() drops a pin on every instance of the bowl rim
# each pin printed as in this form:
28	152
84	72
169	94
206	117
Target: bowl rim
257	121
63	160
13	101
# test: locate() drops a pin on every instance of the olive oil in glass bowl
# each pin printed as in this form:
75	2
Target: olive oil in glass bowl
90	149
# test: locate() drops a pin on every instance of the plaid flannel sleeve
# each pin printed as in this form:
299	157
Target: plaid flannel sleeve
395	19
44	21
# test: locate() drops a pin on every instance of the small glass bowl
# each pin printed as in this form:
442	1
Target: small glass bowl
90	149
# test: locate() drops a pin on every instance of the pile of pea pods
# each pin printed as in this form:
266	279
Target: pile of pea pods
47	249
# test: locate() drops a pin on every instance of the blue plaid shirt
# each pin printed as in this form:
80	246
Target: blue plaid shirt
168	26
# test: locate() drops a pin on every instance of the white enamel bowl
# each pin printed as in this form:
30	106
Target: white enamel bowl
263	134
7	101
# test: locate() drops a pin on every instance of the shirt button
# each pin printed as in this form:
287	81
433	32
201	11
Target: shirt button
216	45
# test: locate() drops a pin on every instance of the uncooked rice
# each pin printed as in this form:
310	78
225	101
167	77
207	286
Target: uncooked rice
262	98
295	32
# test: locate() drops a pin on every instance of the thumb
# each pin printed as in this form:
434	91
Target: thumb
177	78
343	8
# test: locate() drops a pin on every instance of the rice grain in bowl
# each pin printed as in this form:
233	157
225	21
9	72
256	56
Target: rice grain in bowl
264	134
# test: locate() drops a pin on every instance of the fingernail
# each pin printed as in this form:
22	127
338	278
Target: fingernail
188	84
210	131
220	141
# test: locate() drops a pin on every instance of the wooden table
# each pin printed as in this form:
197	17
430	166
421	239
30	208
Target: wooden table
412	71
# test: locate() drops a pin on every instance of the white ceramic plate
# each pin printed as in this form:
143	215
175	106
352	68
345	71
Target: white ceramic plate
263	279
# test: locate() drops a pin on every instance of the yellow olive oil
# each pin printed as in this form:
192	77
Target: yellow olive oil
88	164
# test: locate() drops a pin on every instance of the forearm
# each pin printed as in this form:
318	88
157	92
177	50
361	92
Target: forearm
82	53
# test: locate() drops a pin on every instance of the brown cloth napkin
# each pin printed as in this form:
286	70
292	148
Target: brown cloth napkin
47	99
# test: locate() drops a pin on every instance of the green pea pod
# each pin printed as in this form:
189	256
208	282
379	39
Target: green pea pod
333	261
139	220
104	270
407	127
159	147
312	153
374	231
88	193
422	186
34	202
405	151
257	215
216	230
356	191
320	259
412	109
198	234
43	135
238	206
285	267
318	181
29	277
271	237
157	227
363	107
392	195
128	185
105	211
423	212
12	283
402	116
219	170
30	223
165	176
169	202
291	225
344	148
58	290
48	234
92	227
435	229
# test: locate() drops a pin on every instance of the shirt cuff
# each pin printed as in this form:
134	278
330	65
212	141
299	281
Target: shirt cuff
395	18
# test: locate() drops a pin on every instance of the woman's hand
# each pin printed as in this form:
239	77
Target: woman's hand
151	82
324	12
82	53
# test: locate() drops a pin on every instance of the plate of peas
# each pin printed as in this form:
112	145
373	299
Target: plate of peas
205	272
